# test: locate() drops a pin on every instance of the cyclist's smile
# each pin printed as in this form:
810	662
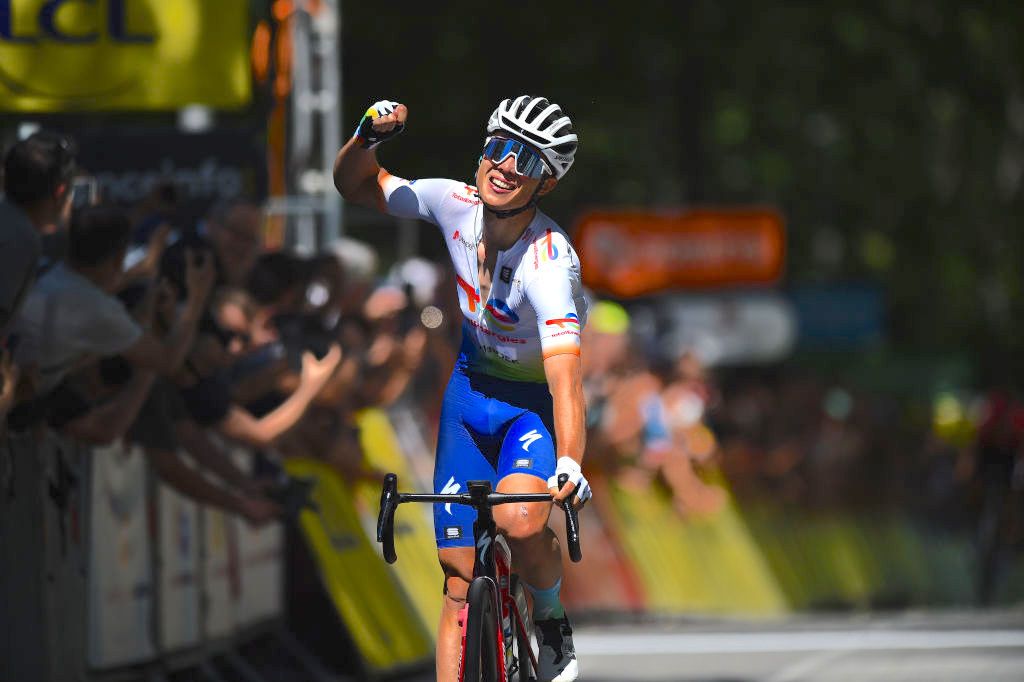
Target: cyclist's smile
500	186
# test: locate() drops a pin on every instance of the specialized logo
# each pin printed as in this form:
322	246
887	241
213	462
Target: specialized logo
472	293
529	438
570	321
500	315
484	544
450	488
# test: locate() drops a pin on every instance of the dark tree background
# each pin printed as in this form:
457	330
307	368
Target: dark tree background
890	134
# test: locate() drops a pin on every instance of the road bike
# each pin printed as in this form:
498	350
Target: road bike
498	643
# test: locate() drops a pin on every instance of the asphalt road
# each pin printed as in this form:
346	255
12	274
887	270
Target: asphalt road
908	647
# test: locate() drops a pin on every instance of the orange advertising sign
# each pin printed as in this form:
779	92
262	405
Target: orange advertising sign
633	253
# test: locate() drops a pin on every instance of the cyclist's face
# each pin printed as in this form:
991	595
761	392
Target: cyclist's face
501	188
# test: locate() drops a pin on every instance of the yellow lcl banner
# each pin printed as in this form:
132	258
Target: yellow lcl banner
96	55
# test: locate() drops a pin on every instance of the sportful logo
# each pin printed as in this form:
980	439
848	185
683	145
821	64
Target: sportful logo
528	439
570	321
450	488
472	293
500	315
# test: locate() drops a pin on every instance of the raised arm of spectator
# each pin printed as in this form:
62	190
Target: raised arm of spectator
9	375
148	266
166	355
111	420
242	426
210	456
191	483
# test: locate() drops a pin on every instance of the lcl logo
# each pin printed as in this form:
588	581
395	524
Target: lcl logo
116	24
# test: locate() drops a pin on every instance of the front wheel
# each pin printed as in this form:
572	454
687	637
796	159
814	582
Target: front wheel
480	657
520	663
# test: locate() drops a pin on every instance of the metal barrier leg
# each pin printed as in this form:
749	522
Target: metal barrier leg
315	671
207	669
242	667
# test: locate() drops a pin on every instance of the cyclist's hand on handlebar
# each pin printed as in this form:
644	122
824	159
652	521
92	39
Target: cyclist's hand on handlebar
382	121
577	483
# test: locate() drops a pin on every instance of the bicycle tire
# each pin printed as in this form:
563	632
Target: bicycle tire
524	666
481	653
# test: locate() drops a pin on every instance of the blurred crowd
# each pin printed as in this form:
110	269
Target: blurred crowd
127	324
187	337
788	437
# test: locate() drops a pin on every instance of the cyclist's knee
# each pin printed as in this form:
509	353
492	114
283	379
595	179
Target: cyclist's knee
522	522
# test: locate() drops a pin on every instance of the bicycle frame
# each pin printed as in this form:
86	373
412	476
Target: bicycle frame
492	556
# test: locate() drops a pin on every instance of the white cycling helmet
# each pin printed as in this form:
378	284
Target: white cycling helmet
540	123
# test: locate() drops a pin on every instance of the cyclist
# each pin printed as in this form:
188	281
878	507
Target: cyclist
517	379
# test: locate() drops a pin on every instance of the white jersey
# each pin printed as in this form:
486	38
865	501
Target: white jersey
536	306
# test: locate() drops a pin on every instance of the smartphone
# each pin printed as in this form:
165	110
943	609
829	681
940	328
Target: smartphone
85	191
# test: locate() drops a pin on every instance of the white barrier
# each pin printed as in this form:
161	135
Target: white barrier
121	591
102	568
261	561
221	573
178	570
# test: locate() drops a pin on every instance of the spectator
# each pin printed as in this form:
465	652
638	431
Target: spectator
37	195
70	315
9	374
207	393
230	238
164	429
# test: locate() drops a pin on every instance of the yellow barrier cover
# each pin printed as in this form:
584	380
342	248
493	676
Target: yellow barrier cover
384	626
703	565
417	569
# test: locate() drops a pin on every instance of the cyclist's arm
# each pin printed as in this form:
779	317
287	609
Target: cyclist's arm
358	176
550	291
361	180
565	381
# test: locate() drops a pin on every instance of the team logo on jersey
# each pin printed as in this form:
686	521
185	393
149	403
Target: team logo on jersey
450	488
500	315
506	274
528	438
468	195
472	293
570	321
462	239
544	250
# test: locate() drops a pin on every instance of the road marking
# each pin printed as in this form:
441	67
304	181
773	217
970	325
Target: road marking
805	666
626	643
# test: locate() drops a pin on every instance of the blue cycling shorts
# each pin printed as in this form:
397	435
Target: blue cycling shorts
489	428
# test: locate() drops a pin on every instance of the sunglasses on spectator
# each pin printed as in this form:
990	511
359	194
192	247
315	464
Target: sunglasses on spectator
529	162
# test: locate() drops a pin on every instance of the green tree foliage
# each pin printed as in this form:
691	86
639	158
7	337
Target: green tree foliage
891	134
